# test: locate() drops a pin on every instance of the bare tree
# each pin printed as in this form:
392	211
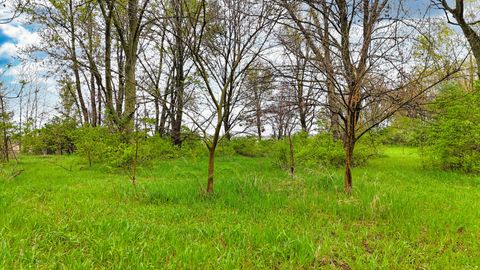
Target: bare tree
230	35
11	9
374	67
257	88
457	12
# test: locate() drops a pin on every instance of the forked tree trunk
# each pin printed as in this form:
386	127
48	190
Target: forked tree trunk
211	168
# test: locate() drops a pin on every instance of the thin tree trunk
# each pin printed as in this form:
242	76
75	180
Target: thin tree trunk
331	98
93	94
75	67
292	155
348	165
93	100
179	75
99	101
121	83
130	91
211	169
110	109
4	130
258	116
130	65
157	115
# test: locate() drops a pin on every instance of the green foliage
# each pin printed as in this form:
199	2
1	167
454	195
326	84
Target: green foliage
246	146
403	131
453	134
322	150
99	145
56	137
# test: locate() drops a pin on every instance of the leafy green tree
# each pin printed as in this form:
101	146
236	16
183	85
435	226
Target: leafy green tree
453	135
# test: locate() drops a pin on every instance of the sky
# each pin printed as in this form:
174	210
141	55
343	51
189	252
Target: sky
13	37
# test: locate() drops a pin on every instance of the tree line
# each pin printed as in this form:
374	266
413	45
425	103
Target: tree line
222	68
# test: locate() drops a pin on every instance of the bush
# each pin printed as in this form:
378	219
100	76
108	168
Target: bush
157	147
403	131
250	147
100	145
56	137
453	134
245	146
321	149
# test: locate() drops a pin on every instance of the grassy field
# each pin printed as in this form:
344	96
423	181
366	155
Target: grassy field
60	214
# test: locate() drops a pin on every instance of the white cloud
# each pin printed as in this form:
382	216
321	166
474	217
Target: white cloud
20	37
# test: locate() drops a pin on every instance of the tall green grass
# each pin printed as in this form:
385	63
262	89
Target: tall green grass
61	214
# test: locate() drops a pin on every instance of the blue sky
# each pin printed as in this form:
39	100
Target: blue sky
5	39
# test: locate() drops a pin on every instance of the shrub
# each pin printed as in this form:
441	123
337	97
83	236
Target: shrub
56	137
157	147
321	149
453	134
100	145
403	131
250	147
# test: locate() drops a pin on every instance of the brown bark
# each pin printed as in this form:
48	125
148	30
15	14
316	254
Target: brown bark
292	155
179	79
331	96
93	94
348	165
211	169
75	66
107	12
472	37
4	130
258	114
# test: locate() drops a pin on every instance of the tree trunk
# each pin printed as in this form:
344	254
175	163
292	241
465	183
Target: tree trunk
348	165
179	79
4	130
130	65
163	117
75	67
120	96
130	92
211	168
350	139
331	98
473	39
227	127
93	100
157	115
99	101
292	155
258	117
302	115
93	94
110	109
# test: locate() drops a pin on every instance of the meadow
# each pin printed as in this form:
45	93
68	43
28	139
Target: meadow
61	214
